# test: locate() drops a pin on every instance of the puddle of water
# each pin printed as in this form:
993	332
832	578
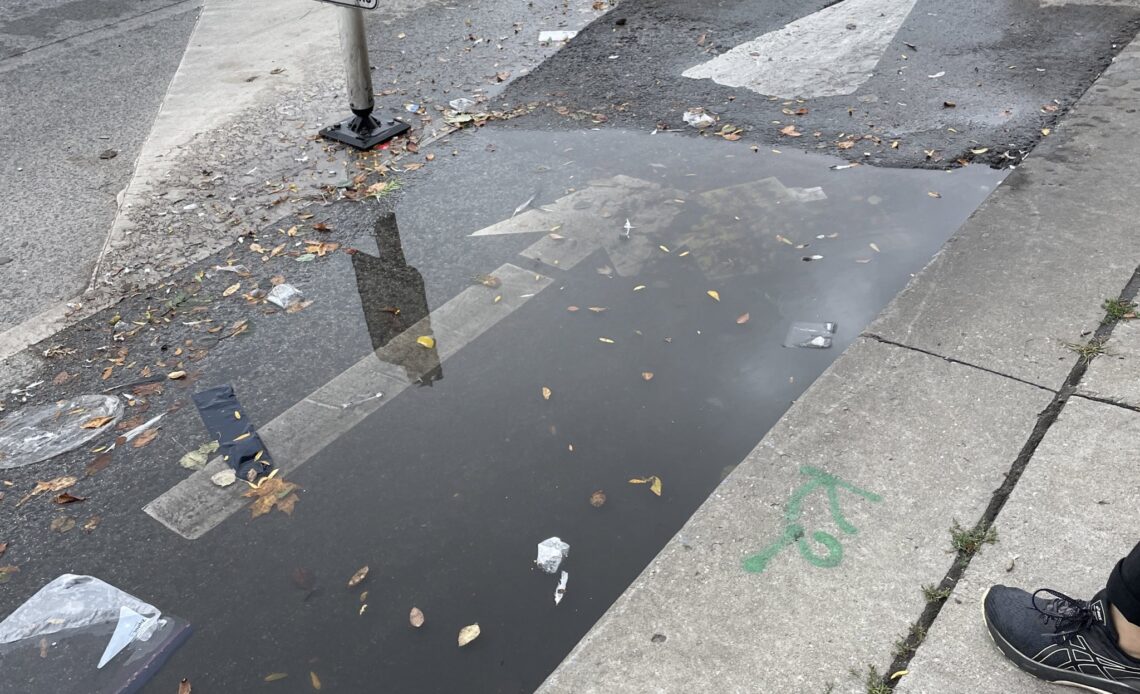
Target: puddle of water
444	491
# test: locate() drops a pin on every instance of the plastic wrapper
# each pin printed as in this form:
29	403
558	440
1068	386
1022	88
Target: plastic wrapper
80	634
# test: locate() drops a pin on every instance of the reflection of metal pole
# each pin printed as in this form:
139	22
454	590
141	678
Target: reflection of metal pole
362	130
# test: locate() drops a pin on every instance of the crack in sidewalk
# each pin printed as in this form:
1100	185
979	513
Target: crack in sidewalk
1045	421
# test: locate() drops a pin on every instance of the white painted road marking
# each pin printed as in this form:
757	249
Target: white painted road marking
817	55
195	505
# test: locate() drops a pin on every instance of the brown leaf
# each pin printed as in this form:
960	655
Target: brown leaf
597	499
546	393
101	461
107	373
742	319
3	548
416	617
314	680
358	577
846	144
128	424
55	485
91	524
274	676
790	131
145	438
95	422
286	505
63	524
321	226
61	378
147	389
184	686
68	498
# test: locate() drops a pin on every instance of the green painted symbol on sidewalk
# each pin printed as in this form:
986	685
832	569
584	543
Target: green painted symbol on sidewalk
794	533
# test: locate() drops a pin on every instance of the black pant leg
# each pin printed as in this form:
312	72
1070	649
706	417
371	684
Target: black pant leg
1124	586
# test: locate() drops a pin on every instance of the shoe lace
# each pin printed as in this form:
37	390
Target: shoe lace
1071	615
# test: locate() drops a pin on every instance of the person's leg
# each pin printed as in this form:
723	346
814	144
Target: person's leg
1123	593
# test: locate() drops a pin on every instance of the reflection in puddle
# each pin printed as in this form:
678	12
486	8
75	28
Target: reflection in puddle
679	257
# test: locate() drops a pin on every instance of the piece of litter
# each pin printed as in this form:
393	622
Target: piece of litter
556	35
698	118
525	205
284	295
462	104
224	478
560	591
810	335
551	552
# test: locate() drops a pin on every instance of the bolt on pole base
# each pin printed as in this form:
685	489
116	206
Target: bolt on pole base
364	132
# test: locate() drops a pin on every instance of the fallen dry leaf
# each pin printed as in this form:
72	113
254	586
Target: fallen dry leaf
231	289
1045	131
416	617
145	438
790	131
468	634
426	341
101	461
61	378
742	319
55	485
92	523
598	309
271	492
6	573
846	144
597	499
358	577
606	340
68	498
714	294
274	676
314	680
63	524
647	375
546	393
95	423
184	686
653	481
107	372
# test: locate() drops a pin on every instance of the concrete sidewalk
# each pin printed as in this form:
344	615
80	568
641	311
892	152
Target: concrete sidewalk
963	404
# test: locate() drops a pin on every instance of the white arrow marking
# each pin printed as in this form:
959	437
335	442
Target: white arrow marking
817	55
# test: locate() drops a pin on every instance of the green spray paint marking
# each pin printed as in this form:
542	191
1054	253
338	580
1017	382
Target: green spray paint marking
794	532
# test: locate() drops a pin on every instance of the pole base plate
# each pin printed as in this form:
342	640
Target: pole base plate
364	132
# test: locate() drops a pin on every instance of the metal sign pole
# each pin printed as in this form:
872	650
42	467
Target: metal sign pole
362	130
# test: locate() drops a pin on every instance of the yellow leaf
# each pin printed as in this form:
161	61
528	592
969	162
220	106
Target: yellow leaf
468	634
655	486
1045	131
546	393
606	340
682	254
714	294
358	577
416	617
274	676
498	298
231	289
638	480
426	341
316	681
95	423
899	674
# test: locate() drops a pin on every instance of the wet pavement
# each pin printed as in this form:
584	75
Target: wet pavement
445	484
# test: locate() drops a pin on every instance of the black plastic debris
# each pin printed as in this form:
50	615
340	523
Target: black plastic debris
239	445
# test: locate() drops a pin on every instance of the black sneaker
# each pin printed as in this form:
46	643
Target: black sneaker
1059	639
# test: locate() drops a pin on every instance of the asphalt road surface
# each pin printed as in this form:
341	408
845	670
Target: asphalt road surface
656	279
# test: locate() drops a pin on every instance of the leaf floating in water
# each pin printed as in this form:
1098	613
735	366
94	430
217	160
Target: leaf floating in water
416	618
426	341
468	634
546	393
653	481
274	676
598	499
314	680
714	294
742	319
358	577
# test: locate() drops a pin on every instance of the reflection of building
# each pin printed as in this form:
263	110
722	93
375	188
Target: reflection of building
393	298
